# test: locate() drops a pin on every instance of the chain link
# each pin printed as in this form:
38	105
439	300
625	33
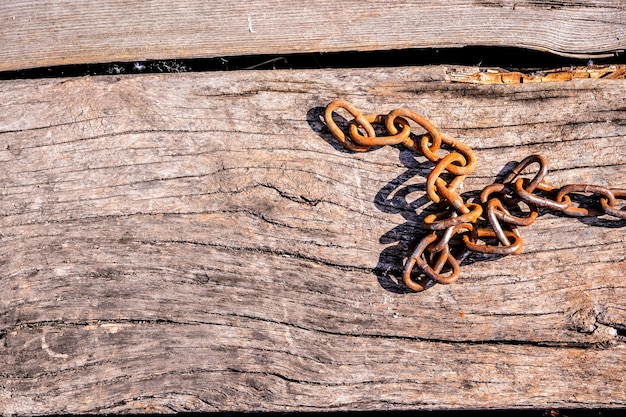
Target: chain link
485	227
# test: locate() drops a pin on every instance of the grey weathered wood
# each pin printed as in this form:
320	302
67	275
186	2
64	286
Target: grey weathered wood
41	33
199	242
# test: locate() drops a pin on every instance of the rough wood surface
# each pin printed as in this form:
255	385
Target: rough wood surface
36	33
199	242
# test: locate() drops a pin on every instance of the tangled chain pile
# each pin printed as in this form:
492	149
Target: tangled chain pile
455	217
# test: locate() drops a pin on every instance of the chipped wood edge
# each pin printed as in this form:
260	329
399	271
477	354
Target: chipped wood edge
477	75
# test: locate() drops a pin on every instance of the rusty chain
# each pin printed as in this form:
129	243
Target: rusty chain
487	226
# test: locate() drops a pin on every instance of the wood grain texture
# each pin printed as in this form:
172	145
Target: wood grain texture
41	33
199	242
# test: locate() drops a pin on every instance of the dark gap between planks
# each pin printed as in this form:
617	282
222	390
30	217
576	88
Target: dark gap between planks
507	58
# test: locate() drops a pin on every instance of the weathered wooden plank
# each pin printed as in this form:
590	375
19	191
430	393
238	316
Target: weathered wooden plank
43	33
200	242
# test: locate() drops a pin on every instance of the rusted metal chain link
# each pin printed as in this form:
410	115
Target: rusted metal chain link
487	226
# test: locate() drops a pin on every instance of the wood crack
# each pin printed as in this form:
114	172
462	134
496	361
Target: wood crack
265	250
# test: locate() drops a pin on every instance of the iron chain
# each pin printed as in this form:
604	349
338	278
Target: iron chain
487	226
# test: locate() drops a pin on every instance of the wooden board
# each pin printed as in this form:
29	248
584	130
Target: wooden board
42	33
199	242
